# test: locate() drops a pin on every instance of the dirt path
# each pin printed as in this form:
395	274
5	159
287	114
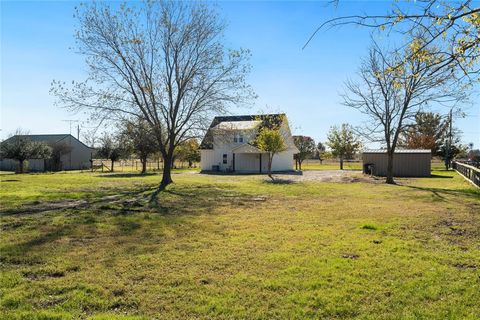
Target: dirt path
58	205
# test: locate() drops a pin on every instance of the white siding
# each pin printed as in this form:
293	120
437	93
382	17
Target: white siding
33	165
207	159
223	143
283	161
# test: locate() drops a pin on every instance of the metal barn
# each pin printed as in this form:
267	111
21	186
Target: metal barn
406	163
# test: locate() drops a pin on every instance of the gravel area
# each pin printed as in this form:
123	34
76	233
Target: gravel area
345	176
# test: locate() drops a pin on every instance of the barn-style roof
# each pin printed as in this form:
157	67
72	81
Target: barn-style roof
46	138
245	122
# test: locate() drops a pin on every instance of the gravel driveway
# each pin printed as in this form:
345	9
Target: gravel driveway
345	176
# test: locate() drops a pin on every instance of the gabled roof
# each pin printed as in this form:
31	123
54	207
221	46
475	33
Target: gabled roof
244	122
399	151
238	125
246	148
47	138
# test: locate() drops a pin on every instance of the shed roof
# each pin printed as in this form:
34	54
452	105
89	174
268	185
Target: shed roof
399	151
47	138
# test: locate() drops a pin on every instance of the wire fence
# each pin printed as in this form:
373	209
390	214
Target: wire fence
331	164
132	165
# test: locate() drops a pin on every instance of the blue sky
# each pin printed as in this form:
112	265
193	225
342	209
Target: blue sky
35	49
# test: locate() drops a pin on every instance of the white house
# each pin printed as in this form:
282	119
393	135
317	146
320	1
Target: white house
228	145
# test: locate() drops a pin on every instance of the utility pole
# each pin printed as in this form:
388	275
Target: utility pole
70	123
448	148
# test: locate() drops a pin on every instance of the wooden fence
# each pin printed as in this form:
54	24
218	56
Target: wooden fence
469	172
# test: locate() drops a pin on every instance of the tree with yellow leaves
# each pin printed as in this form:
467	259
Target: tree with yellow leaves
451	26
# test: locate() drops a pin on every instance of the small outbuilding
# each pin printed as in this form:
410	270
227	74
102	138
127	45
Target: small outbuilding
406	162
77	157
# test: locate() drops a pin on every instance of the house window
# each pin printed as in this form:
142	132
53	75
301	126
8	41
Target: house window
224	158
238	138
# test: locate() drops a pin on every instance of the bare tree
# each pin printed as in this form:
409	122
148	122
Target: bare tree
394	87
163	61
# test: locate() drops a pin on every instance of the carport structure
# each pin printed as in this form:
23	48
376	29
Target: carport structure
248	158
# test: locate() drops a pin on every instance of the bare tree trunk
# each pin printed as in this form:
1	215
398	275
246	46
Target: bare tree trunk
341	162
389	179
111	166
21	162
167	173
270	158
144	165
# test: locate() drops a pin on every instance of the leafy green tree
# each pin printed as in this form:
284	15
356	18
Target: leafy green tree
139	138
320	151
427	132
474	155
58	150
188	151
343	142
272	141
20	147
306	148
112	149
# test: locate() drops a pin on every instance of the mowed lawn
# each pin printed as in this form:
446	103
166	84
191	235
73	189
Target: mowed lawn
238	247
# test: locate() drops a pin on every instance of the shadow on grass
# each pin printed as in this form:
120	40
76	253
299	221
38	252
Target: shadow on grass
436	176
91	199
17	253
440	193
279	181
200	199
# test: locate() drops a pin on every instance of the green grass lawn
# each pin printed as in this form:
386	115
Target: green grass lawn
239	247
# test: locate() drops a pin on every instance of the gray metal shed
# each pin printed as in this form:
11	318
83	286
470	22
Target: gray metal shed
406	162
77	158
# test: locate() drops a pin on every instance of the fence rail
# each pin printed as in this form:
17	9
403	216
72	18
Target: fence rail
469	172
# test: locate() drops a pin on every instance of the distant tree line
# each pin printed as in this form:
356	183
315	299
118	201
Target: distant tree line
342	141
